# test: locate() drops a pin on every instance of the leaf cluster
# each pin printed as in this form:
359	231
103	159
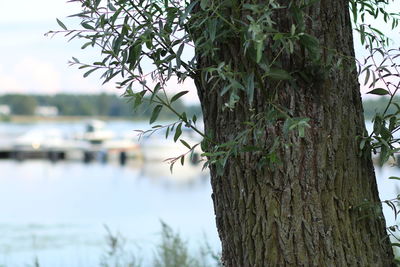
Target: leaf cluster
382	76
372	9
144	39
144	43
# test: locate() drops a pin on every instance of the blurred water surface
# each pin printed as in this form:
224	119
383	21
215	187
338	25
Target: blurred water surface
57	211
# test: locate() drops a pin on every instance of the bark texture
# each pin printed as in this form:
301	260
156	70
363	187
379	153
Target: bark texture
302	212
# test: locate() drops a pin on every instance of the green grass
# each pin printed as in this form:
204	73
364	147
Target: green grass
172	251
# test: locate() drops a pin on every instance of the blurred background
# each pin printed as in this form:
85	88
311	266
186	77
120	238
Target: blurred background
73	172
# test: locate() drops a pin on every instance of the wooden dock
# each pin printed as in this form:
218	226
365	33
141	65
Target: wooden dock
78	152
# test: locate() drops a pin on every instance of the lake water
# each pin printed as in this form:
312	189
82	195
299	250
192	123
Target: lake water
57	212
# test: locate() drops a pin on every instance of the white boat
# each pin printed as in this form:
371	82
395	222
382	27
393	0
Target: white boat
43	143
39	139
95	132
104	144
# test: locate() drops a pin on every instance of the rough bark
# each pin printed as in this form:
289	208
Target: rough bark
301	212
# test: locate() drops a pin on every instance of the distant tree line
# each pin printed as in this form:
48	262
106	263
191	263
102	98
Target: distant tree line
378	105
117	106
87	105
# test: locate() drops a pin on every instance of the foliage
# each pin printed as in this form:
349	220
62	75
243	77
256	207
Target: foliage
88	105
382	76
172	251
117	256
20	104
362	10
141	39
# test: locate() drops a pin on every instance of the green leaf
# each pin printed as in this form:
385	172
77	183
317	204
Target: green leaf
278	74
117	44
86	44
259	50
311	43
156	88
111	6
378	91
362	143
96	4
169	72
134	55
378	121
203	4
155	91
178	132
212	29
354	10
155	113
394	178
185	143
178	95
301	132
111	76
171	167
138	99
367	77
278	36
89	72
250	87
87	26
61	24
188	11
293	29
178	55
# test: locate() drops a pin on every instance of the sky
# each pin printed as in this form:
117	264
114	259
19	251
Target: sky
33	63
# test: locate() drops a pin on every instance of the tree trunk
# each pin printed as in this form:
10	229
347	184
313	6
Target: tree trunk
304	211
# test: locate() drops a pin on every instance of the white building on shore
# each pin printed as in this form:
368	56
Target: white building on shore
5	110
46	111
